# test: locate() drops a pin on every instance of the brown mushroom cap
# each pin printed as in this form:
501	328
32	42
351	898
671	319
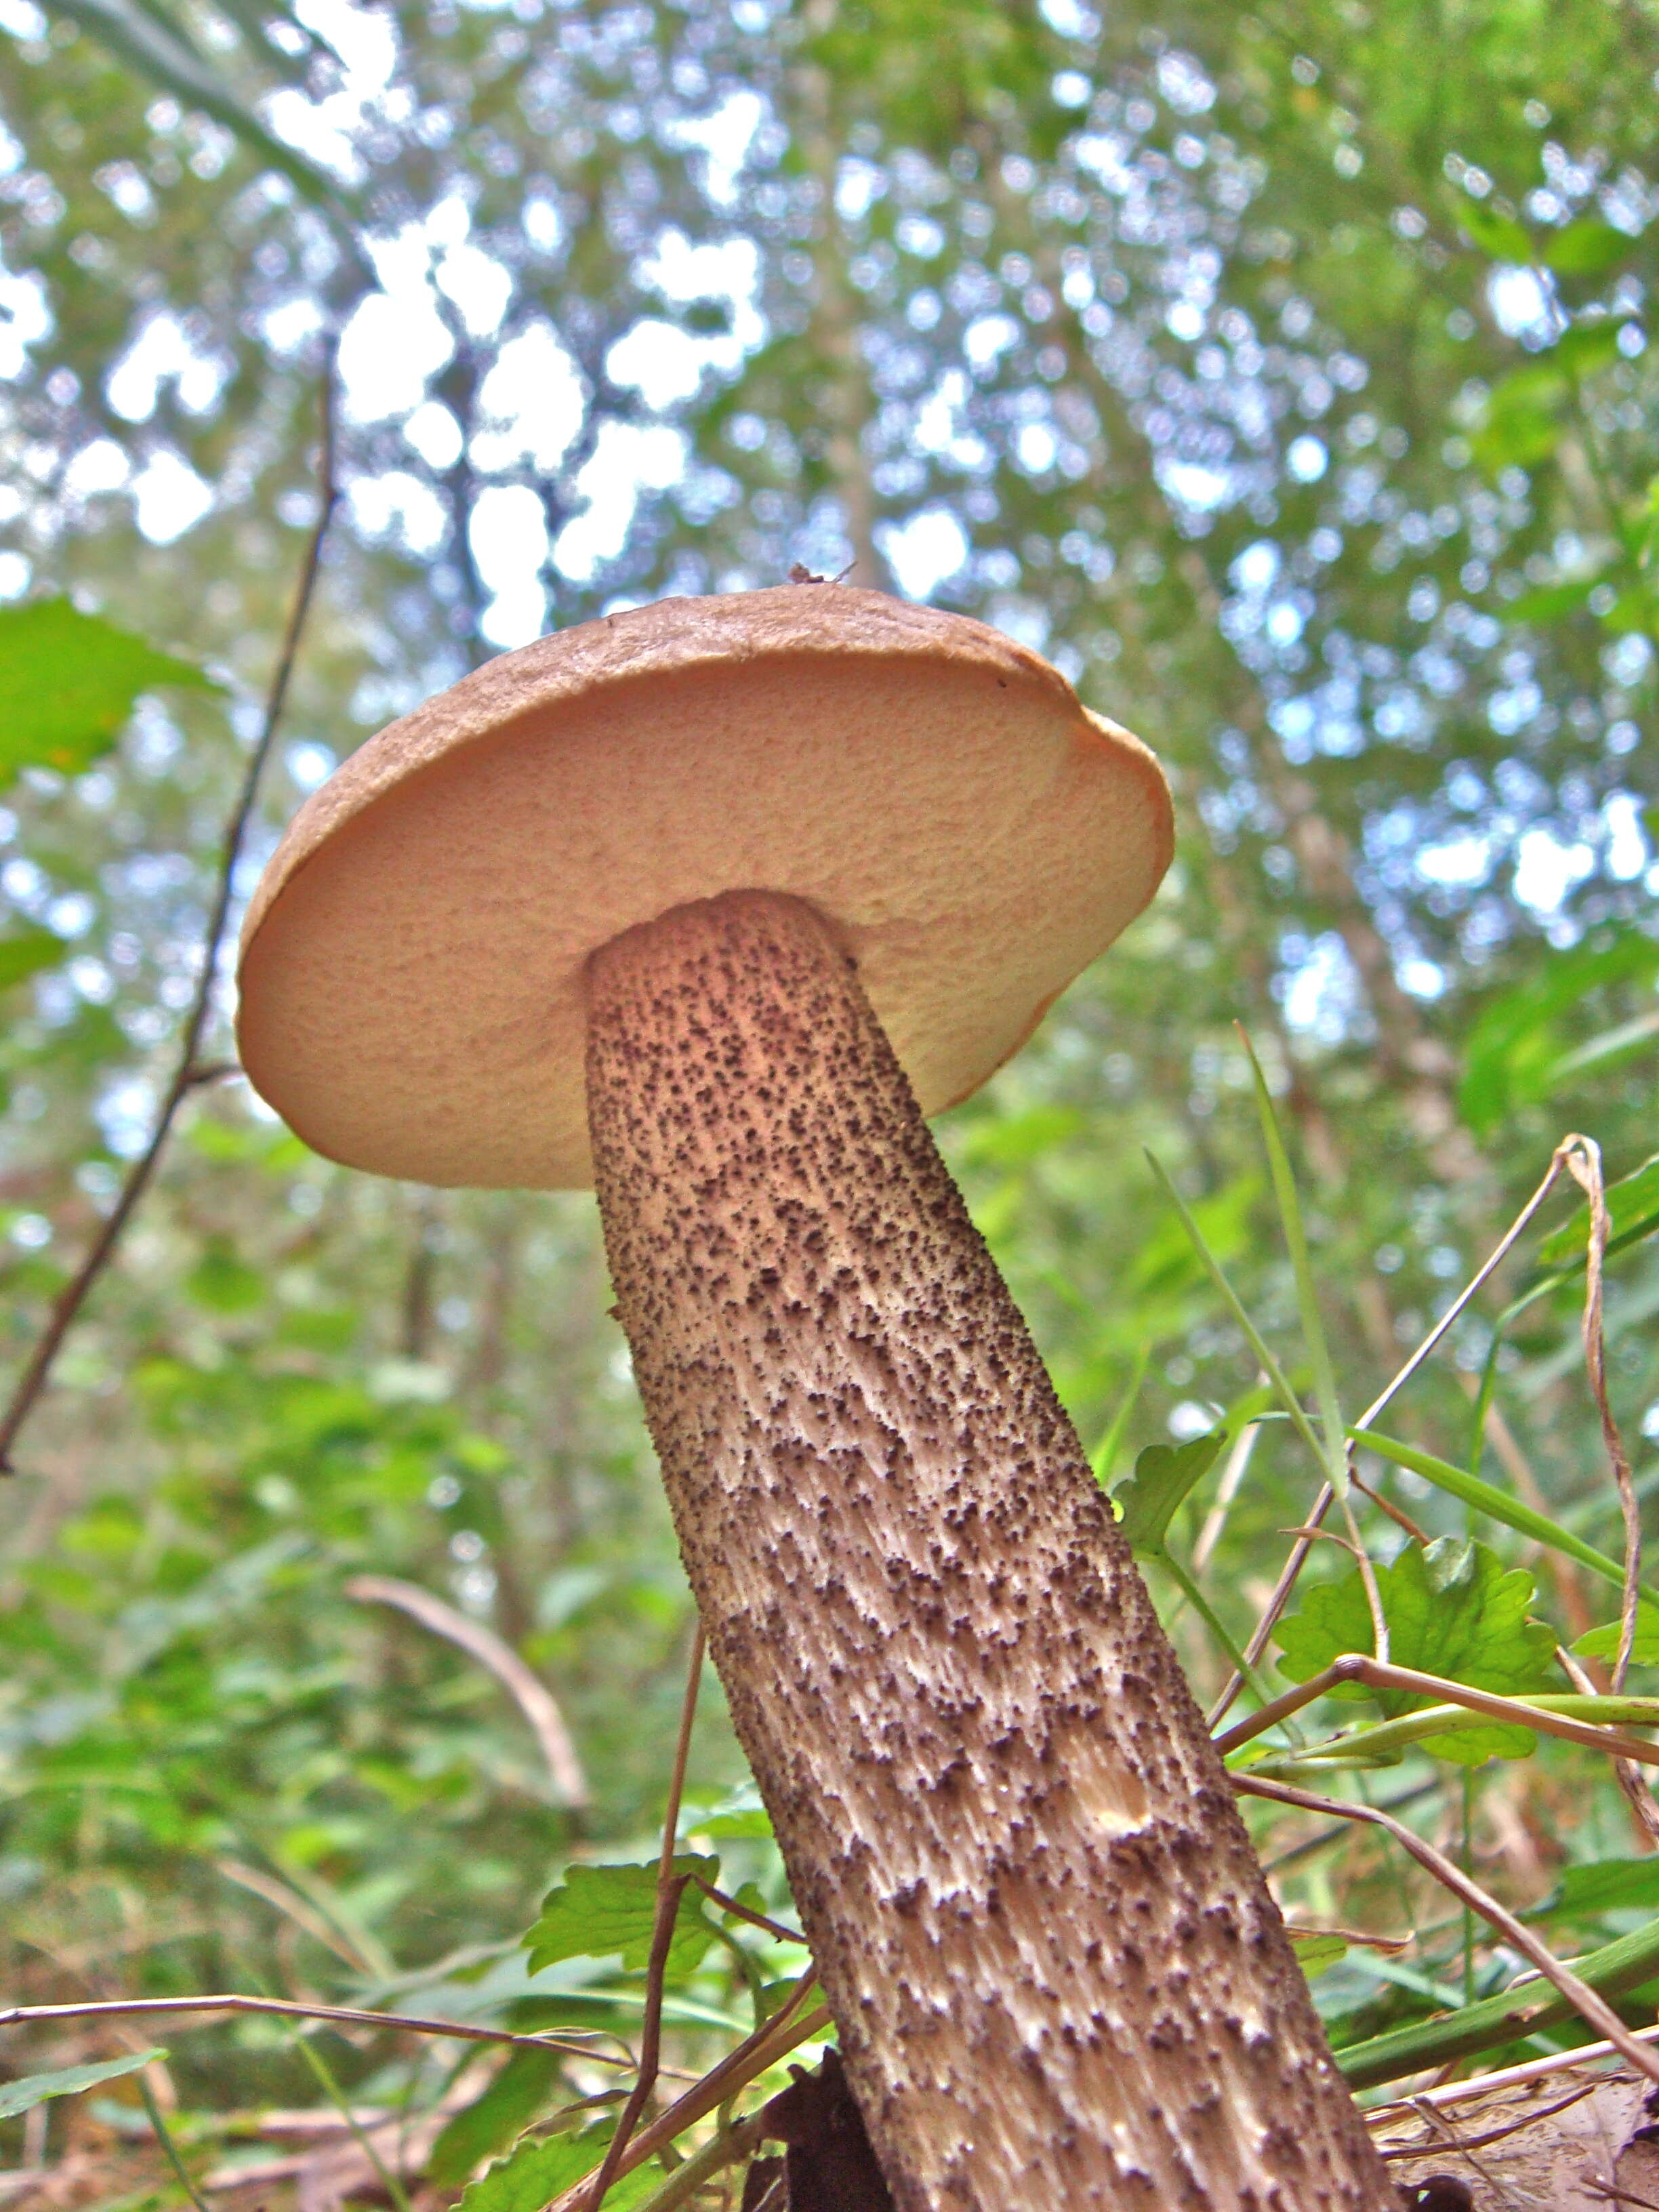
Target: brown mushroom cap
412	992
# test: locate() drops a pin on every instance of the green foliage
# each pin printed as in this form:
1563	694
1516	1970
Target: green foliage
1453	1609
605	1911
1148	1500
1031	284
1603	1642
520	2092
1598	1886
1518	1050
67	682
25	953
536	2172
33	2089
1632	1214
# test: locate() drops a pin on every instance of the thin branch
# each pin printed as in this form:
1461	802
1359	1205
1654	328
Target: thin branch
688	2181
1508	2077
1578	1994
1406	2151
1327	1498
772	2041
1582	1156
1628	1774
747	1912
1376	1674
1232	1481
346	2015
527	1690
670	1887
187	1074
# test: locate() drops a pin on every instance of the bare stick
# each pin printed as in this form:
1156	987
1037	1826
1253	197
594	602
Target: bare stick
1582	1156
1466	2144
747	1912
1579	1995
1508	2077
526	1689
187	1074
1376	1674
772	2041
115	2007
1327	1498
670	1887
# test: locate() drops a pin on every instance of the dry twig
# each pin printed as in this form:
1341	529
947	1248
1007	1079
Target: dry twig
527	1690
1376	1674
345	2016
670	1887
188	1073
1578	1994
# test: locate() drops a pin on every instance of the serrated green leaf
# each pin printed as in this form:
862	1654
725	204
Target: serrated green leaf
535	2172
1585	1892
25	953
519	2093
1147	1500
1453	1609
67	682
1499	237
609	1911
1588	248
32	2089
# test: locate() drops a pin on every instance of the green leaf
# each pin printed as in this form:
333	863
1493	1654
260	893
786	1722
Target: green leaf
1147	1500
1497	1504
1316	1950
1633	1211
537	2170
25	953
157	44
1499	237
1585	1892
606	1911
1550	602
1587	349
1588	248
67	682
21	2095
1307	1293
740	1816
1452	1610
518	2094
1517	1041
1603	1642
223	1283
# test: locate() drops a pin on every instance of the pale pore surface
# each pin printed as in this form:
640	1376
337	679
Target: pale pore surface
411	976
1060	1983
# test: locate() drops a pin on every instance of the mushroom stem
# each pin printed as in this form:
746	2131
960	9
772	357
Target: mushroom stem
1058	1975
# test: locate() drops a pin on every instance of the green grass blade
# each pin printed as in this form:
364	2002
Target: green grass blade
1269	1366
1104	1457
1307	1294
1201	1606
1510	2017
1497	1506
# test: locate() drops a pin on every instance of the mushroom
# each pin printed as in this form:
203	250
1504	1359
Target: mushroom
709	903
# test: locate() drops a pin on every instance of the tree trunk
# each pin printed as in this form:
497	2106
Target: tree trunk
1059	1980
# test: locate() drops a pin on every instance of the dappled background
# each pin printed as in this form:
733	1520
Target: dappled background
1284	375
